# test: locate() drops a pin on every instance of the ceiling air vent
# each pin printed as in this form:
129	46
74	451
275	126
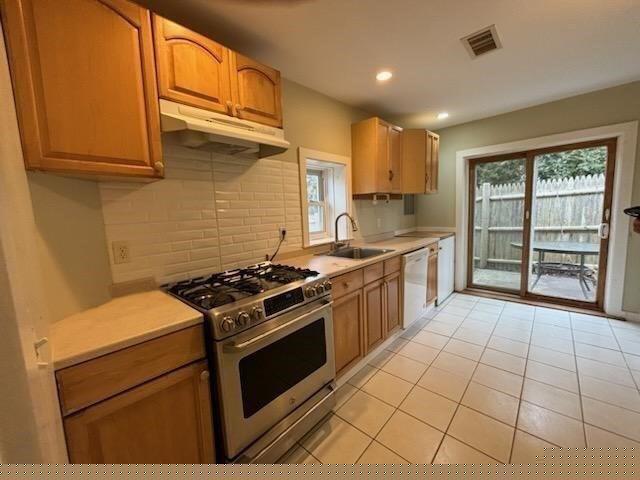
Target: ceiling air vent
482	41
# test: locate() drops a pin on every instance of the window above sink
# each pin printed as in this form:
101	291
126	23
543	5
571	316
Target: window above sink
325	181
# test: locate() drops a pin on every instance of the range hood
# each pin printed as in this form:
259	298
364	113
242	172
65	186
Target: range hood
213	132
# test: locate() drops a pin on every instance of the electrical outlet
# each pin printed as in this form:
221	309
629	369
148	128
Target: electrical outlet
283	232
379	222
121	252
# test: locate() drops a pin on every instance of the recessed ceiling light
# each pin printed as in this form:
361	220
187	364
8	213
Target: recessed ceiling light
443	115
384	76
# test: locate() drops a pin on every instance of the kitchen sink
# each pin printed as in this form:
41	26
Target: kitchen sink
357	252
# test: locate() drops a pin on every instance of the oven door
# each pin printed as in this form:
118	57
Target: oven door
267	372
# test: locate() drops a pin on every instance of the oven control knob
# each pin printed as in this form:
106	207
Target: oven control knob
310	292
257	313
243	319
327	285
320	288
227	324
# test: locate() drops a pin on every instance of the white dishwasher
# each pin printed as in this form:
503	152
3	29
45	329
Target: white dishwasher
414	266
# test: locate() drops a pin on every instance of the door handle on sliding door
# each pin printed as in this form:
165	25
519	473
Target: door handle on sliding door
603	231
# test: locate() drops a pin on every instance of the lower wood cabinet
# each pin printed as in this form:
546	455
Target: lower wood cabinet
167	420
393	303
348	330
432	275
364	316
374	307
147	403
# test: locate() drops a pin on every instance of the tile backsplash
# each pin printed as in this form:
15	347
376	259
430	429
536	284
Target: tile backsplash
214	212
211	212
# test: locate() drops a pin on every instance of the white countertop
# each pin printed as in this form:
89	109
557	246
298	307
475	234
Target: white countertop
117	324
333	266
132	319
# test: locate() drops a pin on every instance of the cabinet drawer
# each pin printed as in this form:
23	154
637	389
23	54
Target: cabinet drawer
392	265
87	383
373	272
347	283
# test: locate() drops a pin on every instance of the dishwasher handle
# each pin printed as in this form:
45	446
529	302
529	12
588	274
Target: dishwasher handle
417	256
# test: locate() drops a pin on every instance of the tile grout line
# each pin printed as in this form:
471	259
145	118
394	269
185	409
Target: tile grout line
624	357
527	359
408	414
430	364
459	403
524	379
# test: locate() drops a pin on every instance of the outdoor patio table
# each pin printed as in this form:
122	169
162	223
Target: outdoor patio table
573	248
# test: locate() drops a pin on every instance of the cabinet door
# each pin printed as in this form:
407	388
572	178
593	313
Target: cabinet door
395	159
381	159
414	161
167	420
85	86
393	298
256	91
432	161
446	268
432	278
192	69
348	330
374	308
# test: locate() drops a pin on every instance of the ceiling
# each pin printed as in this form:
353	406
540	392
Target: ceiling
551	49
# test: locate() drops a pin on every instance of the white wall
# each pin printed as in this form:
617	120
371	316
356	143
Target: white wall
30	428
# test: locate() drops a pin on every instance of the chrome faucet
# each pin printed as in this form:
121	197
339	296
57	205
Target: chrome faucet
354	227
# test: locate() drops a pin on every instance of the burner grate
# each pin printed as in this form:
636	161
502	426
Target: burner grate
226	287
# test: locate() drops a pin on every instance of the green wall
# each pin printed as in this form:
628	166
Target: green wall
604	107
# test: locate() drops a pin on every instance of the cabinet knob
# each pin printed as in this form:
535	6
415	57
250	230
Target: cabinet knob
390	175
158	166
204	375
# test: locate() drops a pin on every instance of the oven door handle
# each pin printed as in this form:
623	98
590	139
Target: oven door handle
238	347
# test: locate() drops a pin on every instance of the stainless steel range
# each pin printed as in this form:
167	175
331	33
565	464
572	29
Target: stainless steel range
271	333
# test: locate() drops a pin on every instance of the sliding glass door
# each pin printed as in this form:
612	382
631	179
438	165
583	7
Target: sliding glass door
497	213
539	222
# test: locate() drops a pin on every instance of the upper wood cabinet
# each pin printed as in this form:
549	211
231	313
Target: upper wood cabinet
376	149
85	86
192	69
256	91
420	161
195	70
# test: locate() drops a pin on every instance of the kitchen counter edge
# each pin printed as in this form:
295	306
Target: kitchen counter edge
118	324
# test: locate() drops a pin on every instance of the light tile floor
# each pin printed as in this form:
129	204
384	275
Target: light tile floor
482	380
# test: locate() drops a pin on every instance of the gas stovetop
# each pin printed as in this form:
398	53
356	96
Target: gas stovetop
237	299
219	289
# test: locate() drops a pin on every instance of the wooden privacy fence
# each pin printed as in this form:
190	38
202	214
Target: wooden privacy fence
568	209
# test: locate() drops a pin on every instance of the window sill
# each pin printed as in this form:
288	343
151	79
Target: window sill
320	241
325	241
